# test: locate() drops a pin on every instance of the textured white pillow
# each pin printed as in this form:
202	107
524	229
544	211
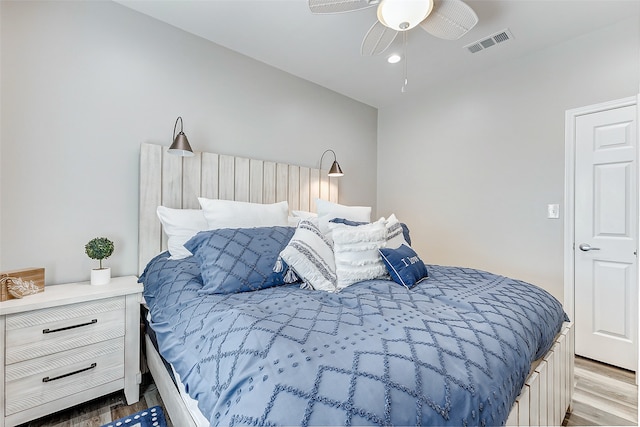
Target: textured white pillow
310	255
180	225
329	210
395	236
356	251
232	214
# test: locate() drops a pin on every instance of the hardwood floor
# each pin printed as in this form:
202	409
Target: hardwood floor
104	410
604	396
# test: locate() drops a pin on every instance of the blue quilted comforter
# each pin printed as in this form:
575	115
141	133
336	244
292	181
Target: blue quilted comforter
454	350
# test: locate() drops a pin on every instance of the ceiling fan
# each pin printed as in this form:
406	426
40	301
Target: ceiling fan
445	19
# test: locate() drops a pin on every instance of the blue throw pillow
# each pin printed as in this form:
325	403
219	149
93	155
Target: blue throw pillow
404	265
405	233
347	222
239	259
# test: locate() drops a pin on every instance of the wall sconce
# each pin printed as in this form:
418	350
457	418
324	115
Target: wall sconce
180	146
335	169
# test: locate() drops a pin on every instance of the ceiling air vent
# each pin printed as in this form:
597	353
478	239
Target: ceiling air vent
492	40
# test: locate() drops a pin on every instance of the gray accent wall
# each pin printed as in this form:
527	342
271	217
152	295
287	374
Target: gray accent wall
472	165
84	83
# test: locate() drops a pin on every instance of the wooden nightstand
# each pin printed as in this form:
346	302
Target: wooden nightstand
69	344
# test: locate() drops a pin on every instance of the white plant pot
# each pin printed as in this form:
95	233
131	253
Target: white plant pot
100	276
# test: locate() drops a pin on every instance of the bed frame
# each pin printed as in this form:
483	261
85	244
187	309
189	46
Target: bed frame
177	182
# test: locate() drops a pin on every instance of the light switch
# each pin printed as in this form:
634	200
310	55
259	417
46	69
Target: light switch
553	211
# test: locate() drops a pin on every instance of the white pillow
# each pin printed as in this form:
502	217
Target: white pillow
180	225
293	221
296	216
304	214
310	255
357	253
395	235
329	210
232	214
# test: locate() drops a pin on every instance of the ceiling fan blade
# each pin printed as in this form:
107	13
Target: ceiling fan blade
339	6
377	40
450	19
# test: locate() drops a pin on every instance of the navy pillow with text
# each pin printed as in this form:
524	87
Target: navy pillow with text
404	265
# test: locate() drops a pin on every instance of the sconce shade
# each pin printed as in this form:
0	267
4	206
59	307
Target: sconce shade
180	146
335	170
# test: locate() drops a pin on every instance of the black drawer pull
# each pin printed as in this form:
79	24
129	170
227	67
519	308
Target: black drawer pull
47	379
48	331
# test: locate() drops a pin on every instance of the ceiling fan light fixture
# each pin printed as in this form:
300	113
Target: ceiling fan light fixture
394	58
403	15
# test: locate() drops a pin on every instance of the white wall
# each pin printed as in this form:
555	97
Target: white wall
472	165
84	83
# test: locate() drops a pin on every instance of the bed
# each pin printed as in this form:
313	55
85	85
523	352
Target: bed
464	347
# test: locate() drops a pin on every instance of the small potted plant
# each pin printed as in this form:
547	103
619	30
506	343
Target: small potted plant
99	248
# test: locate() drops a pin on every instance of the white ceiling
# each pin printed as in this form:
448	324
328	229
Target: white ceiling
325	49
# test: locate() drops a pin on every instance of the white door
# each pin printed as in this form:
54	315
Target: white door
606	236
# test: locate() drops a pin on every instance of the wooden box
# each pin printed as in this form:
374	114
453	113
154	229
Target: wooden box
28	274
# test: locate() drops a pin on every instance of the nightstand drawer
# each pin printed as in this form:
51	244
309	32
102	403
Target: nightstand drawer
45	379
42	332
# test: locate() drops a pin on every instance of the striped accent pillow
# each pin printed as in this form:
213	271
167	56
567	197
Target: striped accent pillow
396	234
310	255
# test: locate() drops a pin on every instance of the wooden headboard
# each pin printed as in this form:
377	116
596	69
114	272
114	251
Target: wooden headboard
177	182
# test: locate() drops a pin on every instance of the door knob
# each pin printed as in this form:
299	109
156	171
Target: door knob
587	247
